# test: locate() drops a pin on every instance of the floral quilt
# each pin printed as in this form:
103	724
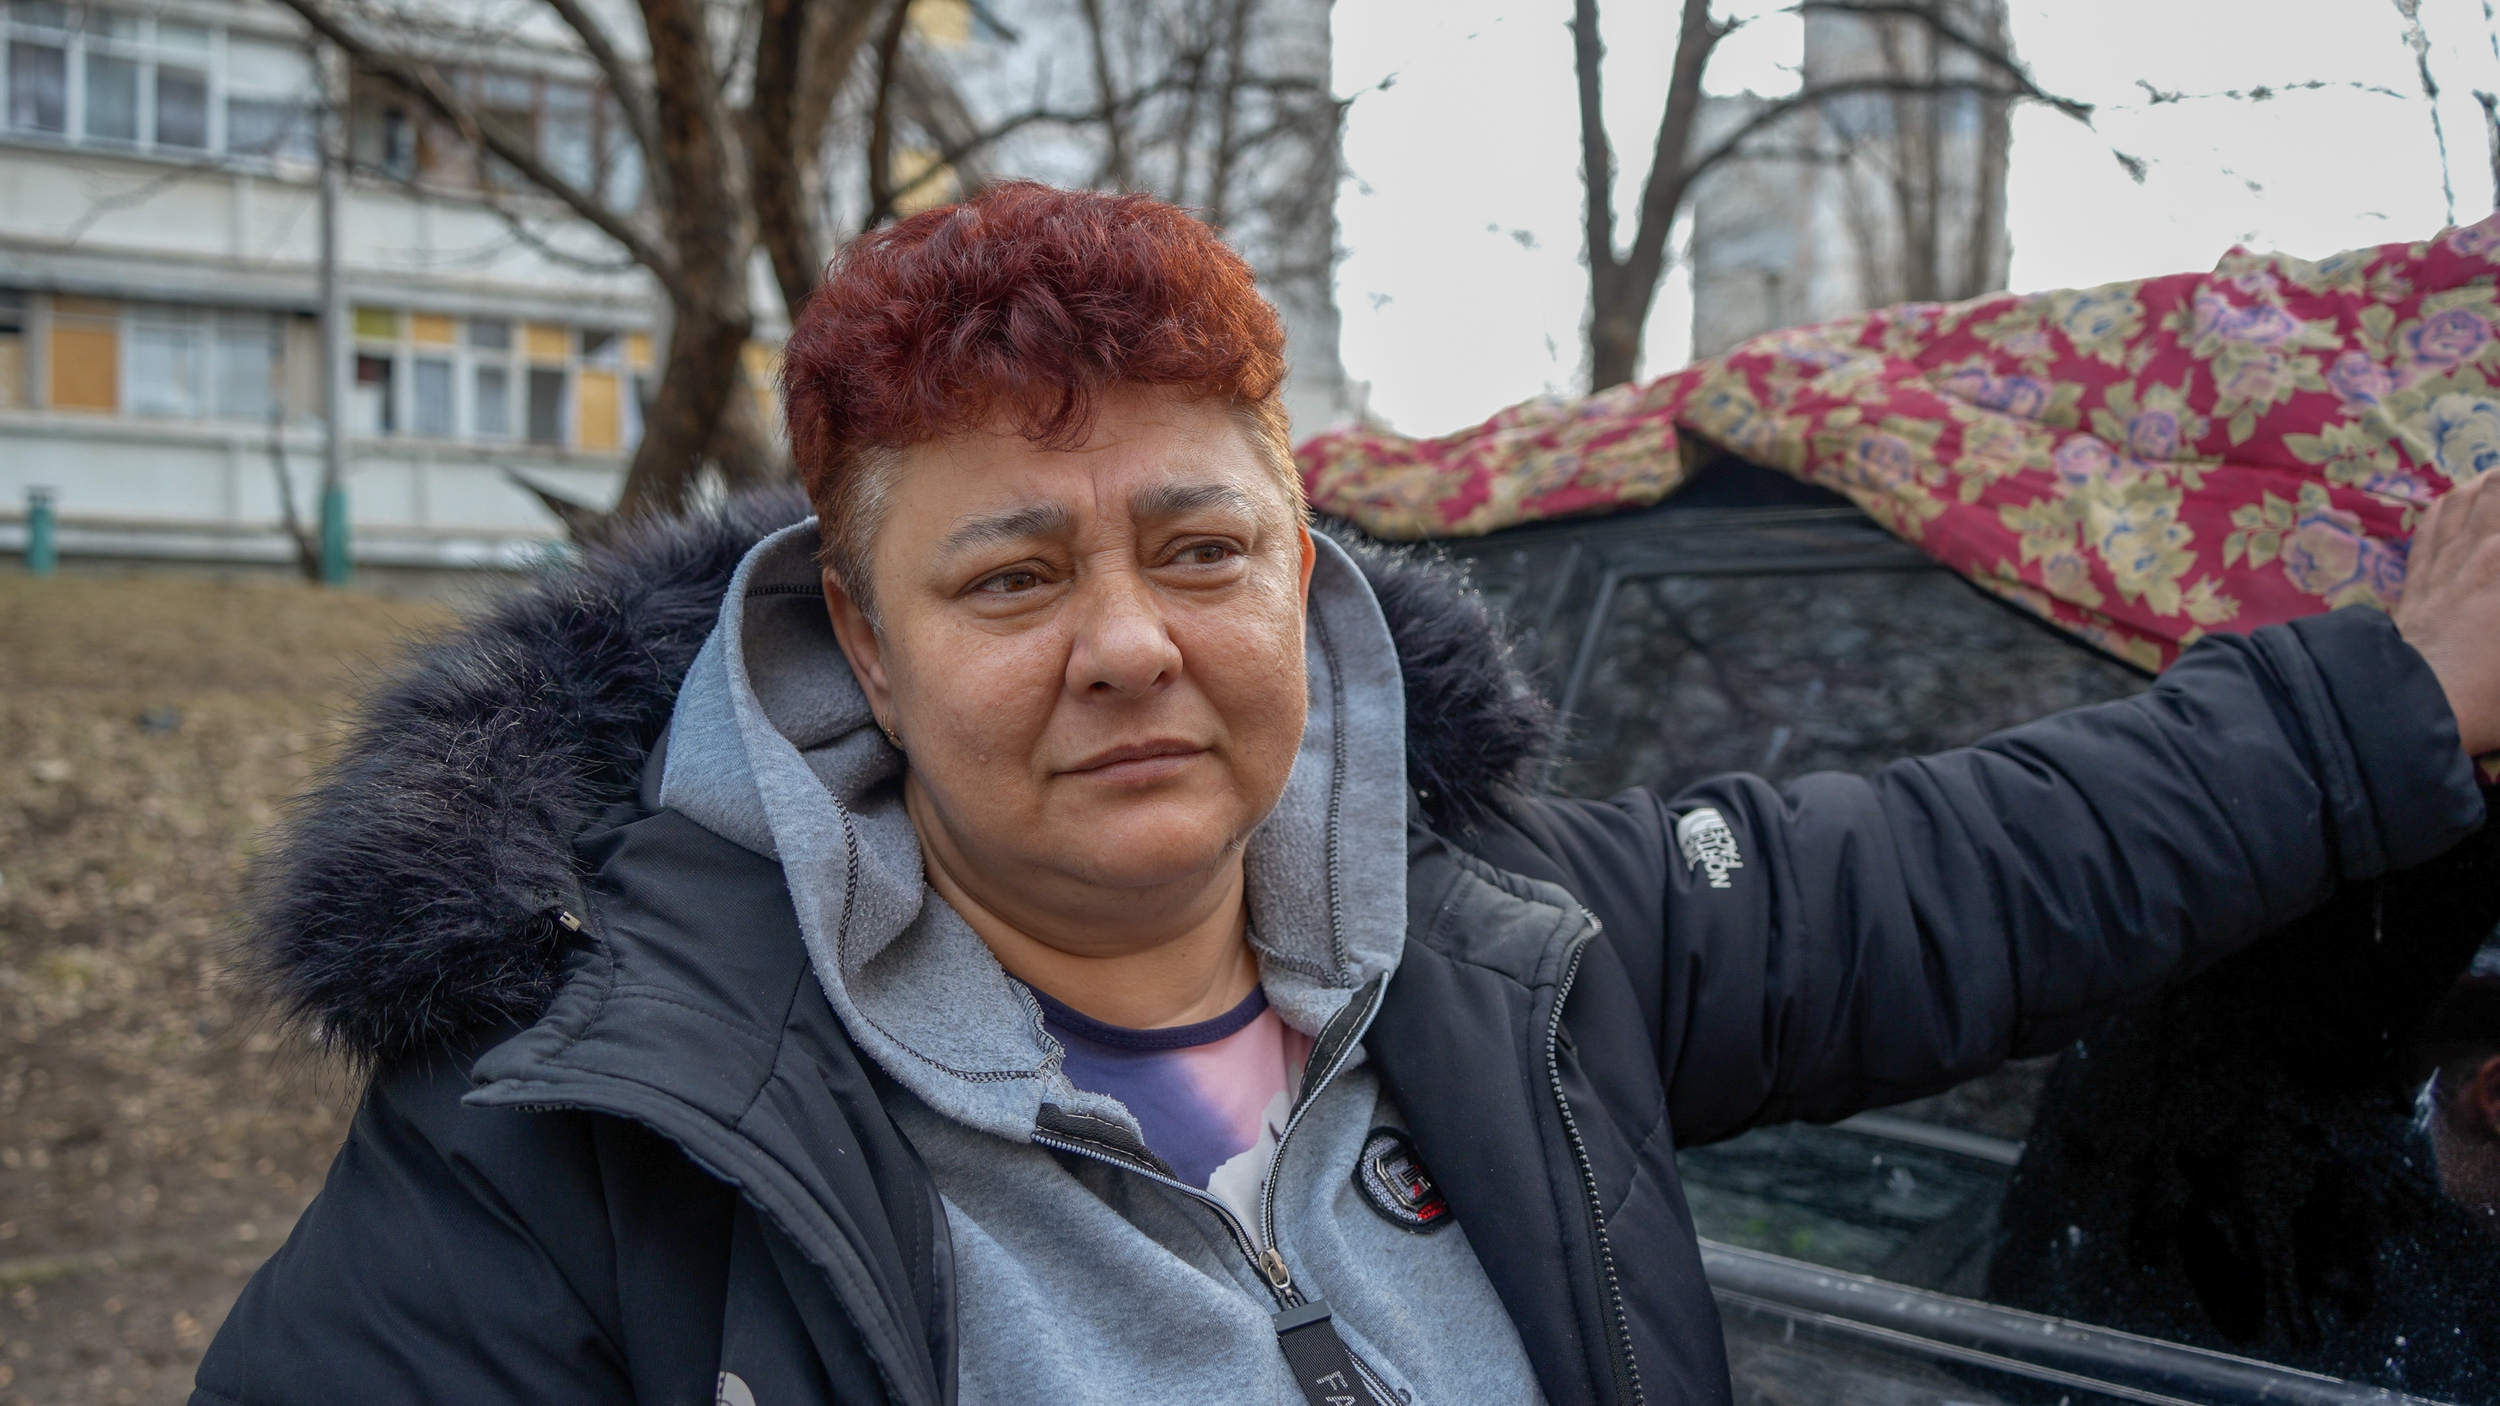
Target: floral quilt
2138	463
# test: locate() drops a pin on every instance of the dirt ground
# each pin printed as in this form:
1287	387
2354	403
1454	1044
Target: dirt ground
157	1137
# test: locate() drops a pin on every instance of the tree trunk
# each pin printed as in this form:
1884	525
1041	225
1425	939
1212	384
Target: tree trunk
705	222
742	444
1983	272
1615	346
804	53
699	378
1623	289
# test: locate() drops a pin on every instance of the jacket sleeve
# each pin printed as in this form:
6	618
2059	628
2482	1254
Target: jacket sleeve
453	1254
1840	942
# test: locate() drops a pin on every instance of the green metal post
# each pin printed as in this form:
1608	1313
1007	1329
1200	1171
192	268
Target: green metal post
334	534
43	555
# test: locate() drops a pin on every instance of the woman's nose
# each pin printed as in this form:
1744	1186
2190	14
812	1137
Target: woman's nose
1121	644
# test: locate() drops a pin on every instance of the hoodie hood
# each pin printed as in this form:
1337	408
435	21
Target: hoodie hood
410	898
773	747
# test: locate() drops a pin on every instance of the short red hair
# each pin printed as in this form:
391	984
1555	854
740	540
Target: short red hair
1024	302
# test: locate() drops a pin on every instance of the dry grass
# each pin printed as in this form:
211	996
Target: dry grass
156	1138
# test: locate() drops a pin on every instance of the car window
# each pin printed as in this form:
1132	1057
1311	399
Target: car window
2237	1170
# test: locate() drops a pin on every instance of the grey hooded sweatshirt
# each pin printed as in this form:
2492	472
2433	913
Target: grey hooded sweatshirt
1082	1278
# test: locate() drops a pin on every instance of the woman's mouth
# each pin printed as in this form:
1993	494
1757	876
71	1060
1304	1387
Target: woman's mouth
1137	762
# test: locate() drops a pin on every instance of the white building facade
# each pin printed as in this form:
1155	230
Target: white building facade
161	257
160	291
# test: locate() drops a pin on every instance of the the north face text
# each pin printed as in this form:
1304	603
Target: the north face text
1708	845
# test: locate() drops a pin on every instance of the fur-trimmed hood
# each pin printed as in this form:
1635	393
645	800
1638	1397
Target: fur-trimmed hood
412	896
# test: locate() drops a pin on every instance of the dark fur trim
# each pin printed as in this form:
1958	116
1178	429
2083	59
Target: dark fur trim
411	896
1472	722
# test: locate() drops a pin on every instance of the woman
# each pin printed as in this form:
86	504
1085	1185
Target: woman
1069	933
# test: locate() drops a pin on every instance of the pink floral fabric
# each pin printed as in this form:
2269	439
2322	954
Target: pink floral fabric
2138	463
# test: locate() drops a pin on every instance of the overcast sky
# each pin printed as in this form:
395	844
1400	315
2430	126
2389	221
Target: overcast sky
1463	289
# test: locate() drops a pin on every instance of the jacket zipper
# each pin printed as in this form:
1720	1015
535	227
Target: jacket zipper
1618	1330
1265	1259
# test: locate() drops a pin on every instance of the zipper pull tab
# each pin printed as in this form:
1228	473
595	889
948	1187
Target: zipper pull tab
1323	1366
1272	1265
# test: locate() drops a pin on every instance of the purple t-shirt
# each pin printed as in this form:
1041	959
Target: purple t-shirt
1211	1098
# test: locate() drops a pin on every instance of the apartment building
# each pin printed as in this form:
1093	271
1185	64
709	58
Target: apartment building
162	246
160	292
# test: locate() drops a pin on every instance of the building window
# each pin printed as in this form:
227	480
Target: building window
546	409
577	129
188	363
486	379
373	410
38	67
429	388
248	356
166	374
491	404
83	355
124	78
12	349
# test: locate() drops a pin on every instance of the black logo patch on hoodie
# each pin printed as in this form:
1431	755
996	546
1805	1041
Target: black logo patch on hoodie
1392	1178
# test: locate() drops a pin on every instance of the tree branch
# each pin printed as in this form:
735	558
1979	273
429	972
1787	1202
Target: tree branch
515	222
1933	18
1662	192
624	80
881	192
1842	87
804	54
1115	170
423	79
1597	161
1227	113
1034	116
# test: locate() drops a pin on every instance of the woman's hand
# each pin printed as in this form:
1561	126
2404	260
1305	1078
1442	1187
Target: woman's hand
2451	606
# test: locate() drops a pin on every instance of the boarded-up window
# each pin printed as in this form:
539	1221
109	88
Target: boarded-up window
378	324
596	399
431	328
85	355
545	343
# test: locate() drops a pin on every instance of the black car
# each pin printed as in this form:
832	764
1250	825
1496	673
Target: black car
2223	1196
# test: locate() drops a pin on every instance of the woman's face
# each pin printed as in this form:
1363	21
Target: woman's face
1093	657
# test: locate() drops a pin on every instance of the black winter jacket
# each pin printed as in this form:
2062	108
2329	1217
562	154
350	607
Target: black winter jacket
615	1140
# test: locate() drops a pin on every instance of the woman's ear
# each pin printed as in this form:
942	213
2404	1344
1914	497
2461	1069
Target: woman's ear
857	635
2481	1097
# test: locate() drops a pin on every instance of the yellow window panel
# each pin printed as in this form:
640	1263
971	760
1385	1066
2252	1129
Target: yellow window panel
544	342
378	324
946	23
638	350
595	404
66	305
433	329
86	365
12	370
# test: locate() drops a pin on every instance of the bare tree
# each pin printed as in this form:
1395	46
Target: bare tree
1623	281
726	111
731	108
